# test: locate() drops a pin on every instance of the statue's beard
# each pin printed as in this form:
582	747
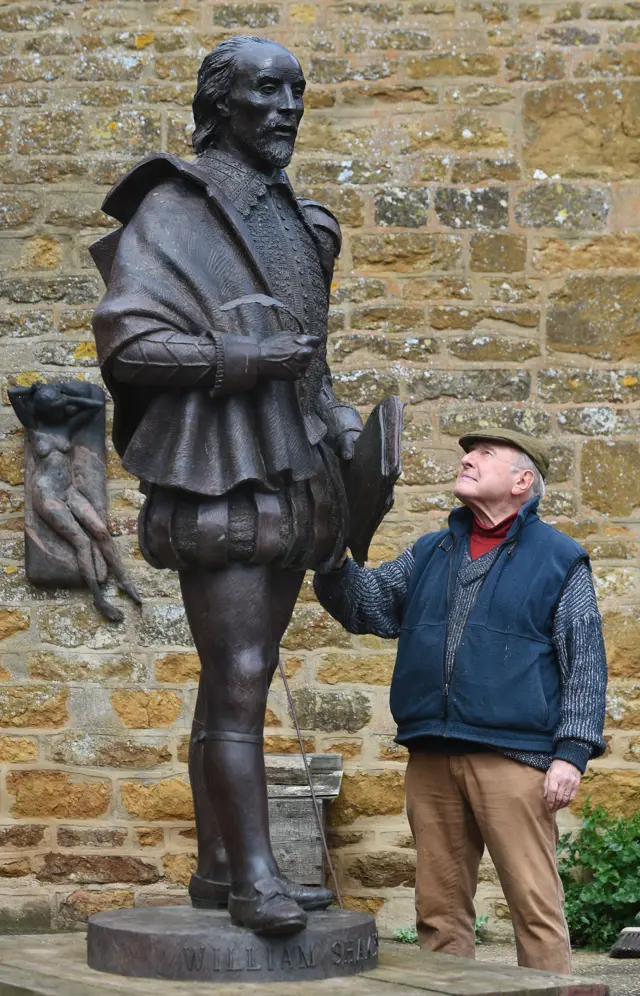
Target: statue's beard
274	150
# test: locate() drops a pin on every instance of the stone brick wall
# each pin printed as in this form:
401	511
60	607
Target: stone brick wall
484	160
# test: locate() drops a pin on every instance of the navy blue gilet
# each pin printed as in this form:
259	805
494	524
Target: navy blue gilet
504	688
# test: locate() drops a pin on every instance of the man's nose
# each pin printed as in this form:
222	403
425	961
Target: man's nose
466	460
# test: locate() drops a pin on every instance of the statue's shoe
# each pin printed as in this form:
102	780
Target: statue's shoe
207	894
269	911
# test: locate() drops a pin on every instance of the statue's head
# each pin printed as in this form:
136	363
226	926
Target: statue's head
249	98
49	404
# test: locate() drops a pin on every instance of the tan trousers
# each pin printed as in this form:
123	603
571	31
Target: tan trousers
456	805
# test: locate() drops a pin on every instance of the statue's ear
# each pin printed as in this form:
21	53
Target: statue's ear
222	105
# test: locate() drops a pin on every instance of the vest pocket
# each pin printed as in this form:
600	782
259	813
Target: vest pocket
503	682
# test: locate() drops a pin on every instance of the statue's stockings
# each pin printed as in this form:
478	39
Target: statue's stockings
238	616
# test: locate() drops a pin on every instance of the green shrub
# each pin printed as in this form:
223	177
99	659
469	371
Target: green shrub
409	935
481	926
406	935
600	872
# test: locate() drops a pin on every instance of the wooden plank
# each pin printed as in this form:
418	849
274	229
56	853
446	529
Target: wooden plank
55	965
452	976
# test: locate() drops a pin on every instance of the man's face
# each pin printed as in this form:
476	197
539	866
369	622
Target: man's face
264	106
486	474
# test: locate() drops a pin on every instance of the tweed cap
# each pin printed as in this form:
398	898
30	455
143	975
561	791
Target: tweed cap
534	448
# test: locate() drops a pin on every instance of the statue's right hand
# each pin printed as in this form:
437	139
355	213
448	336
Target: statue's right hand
286	356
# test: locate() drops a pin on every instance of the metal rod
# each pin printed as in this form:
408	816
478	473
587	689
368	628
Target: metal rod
313	794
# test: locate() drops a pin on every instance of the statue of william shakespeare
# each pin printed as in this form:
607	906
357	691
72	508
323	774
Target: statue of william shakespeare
212	341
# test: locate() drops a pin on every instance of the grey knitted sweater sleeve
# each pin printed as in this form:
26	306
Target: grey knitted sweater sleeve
367	600
577	636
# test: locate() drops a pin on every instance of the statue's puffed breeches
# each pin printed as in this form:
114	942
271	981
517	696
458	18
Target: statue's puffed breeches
302	526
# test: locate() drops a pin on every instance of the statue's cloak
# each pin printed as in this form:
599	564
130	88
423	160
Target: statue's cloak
184	251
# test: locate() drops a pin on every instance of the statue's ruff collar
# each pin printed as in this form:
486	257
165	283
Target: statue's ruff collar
241	184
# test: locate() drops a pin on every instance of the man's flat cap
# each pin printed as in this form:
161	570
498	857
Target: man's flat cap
534	448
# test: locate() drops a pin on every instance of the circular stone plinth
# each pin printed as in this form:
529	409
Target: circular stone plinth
178	942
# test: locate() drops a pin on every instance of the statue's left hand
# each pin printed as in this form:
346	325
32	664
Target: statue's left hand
346	443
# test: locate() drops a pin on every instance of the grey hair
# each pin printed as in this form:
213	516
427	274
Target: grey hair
524	462
215	79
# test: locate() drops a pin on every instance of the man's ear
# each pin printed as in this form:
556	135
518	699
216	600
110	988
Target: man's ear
522	483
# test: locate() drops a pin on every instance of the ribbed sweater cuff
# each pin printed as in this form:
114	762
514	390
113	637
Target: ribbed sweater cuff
574	752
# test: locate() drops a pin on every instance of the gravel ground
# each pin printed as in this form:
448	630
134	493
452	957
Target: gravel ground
621	975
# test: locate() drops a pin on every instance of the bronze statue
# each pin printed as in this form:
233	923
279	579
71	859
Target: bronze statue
60	489
212	340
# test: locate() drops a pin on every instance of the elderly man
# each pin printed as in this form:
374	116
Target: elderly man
498	692
212	340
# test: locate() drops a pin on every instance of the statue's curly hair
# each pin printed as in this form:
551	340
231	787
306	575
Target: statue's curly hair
215	77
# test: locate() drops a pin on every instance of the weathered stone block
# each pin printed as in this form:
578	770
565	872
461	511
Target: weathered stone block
618	252
558	205
21	835
108	65
129	131
80	905
47	666
51	132
17	749
101	751
622	640
332	711
424	467
480	208
494	348
384	870
56	794
146	710
481	170
90	837
481	385
611	476
414	252
586	129
96	868
596	315
165	624
498	253
177	668
402	207
368	794
579	385
367	669
535	66
77	625
616	789
17	211
13	621
571	35
179	868
452	64
389	93
386	317
245	15
311	627
166	800
33	706
347	204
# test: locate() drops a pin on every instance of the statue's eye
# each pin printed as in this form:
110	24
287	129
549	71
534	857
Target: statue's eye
268	88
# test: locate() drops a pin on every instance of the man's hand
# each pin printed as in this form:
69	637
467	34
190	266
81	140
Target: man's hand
286	356
347	441
561	784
